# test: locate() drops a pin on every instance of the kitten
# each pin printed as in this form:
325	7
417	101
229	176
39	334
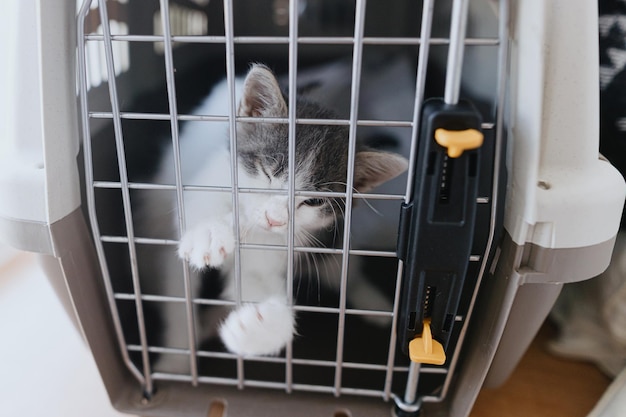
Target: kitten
264	323
387	93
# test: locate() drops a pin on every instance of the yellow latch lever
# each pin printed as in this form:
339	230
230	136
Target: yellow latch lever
458	141
424	349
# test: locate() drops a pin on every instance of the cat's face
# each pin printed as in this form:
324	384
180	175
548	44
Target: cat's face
321	162
269	212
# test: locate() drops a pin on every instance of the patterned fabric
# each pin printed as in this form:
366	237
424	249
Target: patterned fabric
612	25
612	34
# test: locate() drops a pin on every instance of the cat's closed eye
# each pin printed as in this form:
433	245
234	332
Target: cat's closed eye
314	202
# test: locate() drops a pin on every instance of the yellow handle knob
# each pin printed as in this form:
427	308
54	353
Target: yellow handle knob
458	141
425	349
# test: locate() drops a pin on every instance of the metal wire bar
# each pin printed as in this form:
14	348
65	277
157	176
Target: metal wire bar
308	362
232	124
456	51
342	391
158	116
277	120
158	349
201	379
278	40
347	311
329	194
357	59
121	160
90	195
132	185
149	297
420	87
269	359
142	240
244	119
167	187
259	246
291	179
267	384
213	302
205	301
412	381
180	201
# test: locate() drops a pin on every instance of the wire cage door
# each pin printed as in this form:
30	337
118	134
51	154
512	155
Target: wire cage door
143	67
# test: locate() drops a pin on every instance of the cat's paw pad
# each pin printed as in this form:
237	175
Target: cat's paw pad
207	245
258	329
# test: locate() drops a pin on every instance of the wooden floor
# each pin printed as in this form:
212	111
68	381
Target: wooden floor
544	386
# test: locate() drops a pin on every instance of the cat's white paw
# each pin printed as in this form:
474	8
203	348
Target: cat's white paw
259	329
207	244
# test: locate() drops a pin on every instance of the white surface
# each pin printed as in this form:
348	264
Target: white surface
560	194
39	139
21	147
45	368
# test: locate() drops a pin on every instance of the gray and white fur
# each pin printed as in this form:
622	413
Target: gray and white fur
264	323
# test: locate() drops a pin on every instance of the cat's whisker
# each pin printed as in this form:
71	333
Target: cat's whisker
317	278
308	239
344	184
309	258
301	239
341	214
329	277
244	232
298	268
300	272
368	204
354	190
335	223
273	158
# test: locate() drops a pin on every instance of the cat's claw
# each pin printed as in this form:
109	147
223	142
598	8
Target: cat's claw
207	245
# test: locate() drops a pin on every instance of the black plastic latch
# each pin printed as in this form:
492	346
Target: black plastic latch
437	225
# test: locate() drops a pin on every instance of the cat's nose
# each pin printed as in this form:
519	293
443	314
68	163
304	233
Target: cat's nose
273	222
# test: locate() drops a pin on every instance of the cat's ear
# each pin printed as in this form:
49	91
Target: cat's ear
261	94
372	168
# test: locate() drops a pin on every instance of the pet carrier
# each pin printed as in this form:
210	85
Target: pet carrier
443	275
